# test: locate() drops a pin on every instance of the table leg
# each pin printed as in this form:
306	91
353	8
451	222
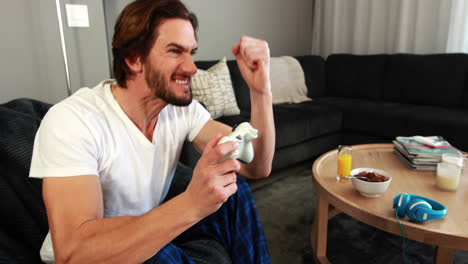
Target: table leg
319	230
443	255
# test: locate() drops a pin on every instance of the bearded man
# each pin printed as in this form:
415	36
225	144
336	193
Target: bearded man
107	155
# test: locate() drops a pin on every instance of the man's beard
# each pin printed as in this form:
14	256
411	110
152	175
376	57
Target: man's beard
160	88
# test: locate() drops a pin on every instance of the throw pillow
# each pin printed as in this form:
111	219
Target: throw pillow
287	81
213	88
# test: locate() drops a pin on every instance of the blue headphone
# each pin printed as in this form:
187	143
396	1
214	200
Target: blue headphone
418	208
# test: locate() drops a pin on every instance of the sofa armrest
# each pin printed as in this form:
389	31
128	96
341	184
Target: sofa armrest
25	223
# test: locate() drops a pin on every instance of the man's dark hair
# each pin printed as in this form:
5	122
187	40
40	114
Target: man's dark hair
136	30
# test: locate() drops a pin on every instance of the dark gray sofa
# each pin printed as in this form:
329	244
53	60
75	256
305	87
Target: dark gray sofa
356	99
363	99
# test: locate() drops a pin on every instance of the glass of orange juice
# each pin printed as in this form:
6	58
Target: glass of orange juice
345	159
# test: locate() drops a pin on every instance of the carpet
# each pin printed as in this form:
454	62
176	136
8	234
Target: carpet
286	206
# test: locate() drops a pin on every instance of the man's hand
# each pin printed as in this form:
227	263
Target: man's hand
253	59
212	182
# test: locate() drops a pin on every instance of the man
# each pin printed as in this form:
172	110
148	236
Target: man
108	154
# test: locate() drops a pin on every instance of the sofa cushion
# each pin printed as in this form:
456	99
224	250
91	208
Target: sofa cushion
287	81
390	119
355	76
213	88
241	90
297	123
314	73
437	79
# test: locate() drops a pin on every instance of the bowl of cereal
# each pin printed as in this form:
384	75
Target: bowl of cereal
370	182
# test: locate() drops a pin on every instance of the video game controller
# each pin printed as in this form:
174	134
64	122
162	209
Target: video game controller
244	133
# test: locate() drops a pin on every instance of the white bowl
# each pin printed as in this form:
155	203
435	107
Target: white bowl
370	189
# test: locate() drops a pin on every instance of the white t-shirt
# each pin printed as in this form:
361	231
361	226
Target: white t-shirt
89	134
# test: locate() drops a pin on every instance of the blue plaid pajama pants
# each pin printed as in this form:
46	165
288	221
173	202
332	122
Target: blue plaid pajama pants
235	226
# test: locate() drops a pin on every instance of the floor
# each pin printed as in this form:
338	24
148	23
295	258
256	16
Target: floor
285	203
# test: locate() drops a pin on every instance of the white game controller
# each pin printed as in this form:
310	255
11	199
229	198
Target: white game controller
244	134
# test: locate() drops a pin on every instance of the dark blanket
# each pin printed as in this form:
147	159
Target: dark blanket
23	216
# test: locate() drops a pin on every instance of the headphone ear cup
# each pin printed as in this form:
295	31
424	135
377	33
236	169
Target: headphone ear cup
400	203
417	209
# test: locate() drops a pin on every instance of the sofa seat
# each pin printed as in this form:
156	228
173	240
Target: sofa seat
297	123
387	119
303	130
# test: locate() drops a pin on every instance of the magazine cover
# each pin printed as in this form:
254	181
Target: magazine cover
414	148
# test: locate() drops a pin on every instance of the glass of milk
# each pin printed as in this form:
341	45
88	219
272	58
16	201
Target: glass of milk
448	172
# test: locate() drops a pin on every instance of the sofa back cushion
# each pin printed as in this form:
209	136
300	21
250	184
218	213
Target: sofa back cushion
437	79
241	90
314	73
355	76
213	88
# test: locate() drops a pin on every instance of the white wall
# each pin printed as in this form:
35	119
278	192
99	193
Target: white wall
30	52
286	25
31	63
18	61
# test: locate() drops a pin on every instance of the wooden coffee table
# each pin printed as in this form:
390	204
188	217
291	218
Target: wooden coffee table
335	197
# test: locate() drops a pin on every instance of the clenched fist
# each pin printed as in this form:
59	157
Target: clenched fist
253	59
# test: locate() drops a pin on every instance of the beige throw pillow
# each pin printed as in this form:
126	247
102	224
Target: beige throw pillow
213	88
287	80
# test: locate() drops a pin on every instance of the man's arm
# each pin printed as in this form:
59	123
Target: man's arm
253	59
80	234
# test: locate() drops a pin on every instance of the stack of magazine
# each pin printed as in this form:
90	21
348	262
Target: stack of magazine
421	156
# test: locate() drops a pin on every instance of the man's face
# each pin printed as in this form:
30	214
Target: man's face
169	65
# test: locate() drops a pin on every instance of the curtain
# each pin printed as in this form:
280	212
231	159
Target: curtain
458	29
382	26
